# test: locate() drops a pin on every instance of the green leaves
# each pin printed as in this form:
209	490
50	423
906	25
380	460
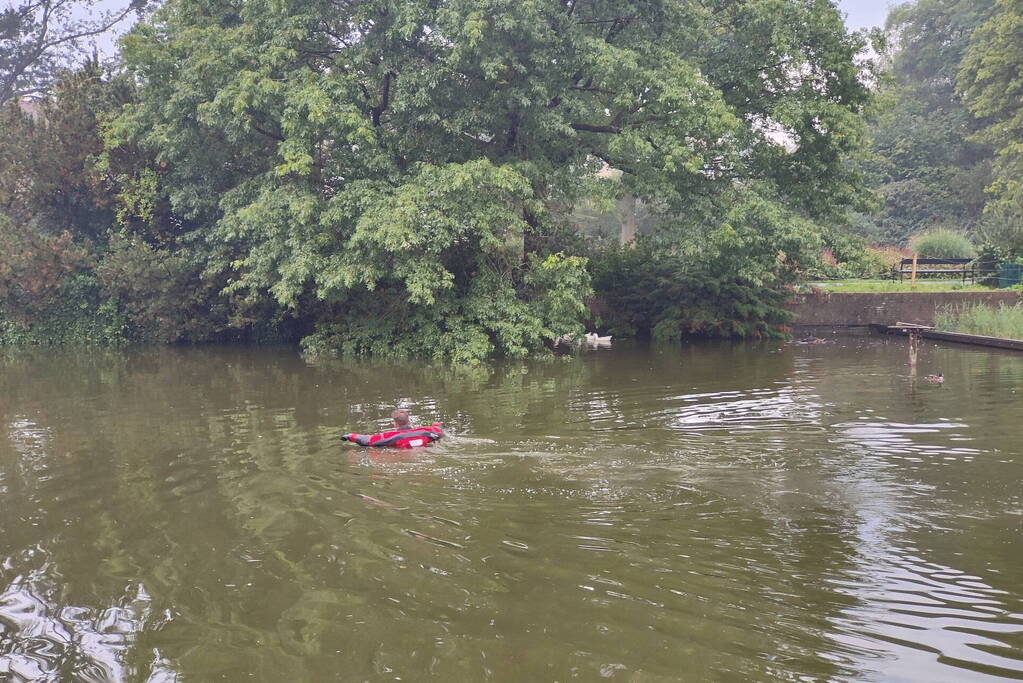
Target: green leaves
948	136
927	167
991	81
403	173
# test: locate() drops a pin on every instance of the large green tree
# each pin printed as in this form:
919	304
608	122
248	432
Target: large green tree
992	83
403	171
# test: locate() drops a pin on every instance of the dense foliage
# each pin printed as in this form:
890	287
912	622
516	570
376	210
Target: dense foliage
991	80
948	127
928	168
52	208
403	173
731	280
399	178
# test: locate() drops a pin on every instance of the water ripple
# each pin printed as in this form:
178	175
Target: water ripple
43	641
911	610
733	512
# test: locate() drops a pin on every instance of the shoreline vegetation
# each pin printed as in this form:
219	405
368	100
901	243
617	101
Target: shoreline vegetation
453	183
1003	321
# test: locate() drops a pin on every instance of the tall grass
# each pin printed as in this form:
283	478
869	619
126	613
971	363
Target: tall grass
942	243
1001	321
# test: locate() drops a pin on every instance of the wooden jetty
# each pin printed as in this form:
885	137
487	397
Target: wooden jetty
953	337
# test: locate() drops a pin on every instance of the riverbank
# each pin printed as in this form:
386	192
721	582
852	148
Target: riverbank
839	309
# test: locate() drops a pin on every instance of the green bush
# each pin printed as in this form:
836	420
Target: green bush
942	243
77	315
656	295
879	261
483	315
825	266
847	255
840	257
162	292
34	267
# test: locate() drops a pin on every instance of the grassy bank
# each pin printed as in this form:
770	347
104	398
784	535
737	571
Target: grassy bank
891	286
992	321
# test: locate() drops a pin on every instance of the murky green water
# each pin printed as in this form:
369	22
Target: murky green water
722	513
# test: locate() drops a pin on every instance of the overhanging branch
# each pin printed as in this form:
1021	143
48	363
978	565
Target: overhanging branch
587	128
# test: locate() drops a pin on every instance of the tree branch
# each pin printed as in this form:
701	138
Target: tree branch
103	28
29	46
587	128
513	131
268	133
385	98
619	25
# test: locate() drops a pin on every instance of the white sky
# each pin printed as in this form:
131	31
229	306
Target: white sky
865	13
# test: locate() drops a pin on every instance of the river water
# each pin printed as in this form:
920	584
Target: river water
715	512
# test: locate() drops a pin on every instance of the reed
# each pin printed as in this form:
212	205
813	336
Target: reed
992	321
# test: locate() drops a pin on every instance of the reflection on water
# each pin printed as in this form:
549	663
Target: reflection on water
48	641
716	512
910	612
905	441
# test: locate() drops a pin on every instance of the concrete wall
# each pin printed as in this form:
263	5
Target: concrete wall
831	309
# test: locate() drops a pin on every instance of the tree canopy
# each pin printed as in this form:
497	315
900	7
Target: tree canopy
406	170
440	177
991	80
947	133
927	167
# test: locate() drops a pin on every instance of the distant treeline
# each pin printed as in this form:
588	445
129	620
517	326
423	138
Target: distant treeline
947	125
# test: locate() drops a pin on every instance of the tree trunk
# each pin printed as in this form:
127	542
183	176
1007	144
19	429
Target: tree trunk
628	207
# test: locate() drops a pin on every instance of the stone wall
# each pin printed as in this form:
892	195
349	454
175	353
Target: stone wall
833	309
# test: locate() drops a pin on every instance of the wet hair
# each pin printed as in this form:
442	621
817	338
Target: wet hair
400	417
